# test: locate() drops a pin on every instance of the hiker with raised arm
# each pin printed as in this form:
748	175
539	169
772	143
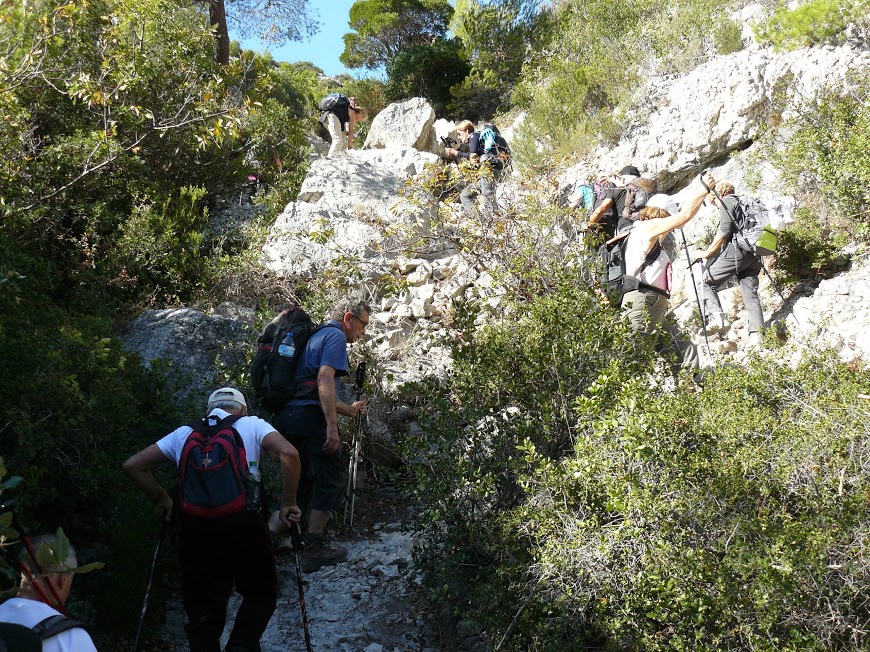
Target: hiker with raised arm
731	259
224	539
310	422
648	264
46	582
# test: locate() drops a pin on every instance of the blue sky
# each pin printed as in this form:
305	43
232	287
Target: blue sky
324	48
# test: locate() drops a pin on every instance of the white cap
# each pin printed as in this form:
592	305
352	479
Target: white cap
663	201
227	394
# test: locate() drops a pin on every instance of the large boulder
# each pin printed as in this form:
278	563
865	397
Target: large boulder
349	184
404	124
192	345
401	161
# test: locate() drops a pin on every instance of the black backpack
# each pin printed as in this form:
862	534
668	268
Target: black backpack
17	638
614	279
279	348
333	101
752	219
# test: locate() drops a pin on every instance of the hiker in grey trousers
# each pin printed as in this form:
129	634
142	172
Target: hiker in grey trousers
731	261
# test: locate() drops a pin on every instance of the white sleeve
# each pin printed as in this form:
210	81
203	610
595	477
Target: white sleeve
173	443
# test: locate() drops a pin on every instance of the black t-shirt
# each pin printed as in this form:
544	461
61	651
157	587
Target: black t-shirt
611	217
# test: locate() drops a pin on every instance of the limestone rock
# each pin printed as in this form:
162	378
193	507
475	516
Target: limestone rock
306	238
404	124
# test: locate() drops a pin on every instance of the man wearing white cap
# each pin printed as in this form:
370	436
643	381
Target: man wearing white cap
221	550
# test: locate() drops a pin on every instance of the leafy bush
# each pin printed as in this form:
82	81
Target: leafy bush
728	36
811	23
427	70
569	505
821	151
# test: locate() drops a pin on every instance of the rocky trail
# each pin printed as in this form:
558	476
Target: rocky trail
372	602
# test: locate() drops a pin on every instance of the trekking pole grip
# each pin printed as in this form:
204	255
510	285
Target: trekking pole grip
360	378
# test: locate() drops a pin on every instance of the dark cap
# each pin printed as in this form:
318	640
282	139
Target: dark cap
629	169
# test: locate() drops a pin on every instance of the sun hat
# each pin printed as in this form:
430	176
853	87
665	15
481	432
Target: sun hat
663	201
227	394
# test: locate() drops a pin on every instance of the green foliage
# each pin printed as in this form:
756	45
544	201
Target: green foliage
428	70
822	152
728	36
497	38
161	245
580	85
383	28
811	23
569	506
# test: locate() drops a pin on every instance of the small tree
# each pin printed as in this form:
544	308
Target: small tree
383	28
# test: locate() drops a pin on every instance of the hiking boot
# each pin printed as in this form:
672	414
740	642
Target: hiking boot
716	323
754	342
318	554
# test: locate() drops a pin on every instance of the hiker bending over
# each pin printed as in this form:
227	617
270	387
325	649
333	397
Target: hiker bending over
486	149
341	122
610	207
648	261
42	595
731	260
310	422
227	543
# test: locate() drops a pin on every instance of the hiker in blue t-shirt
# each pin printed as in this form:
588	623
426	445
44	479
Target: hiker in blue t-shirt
310	422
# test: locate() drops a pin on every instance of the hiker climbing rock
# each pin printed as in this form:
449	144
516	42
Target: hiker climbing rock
731	259
340	117
647	262
45	585
310	422
486	148
610	206
224	538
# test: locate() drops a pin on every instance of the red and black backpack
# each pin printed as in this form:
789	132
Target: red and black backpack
213	470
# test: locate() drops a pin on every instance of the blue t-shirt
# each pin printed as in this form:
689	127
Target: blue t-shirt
328	346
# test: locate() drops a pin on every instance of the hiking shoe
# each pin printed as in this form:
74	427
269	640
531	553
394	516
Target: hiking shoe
318	554
716	323
754	342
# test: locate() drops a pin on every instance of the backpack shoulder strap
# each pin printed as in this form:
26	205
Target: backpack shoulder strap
54	625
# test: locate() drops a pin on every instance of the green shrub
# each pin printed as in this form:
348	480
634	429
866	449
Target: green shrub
812	23
728	36
821	150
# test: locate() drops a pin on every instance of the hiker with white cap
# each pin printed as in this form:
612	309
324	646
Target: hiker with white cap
224	538
648	261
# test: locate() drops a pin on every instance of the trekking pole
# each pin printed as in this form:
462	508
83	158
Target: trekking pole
697	297
160	537
298	545
736	223
357	446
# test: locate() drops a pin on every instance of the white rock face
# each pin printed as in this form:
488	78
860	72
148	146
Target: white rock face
717	108
402	161
404	124
346	183
305	239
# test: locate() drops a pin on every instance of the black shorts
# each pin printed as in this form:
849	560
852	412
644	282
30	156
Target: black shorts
322	485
